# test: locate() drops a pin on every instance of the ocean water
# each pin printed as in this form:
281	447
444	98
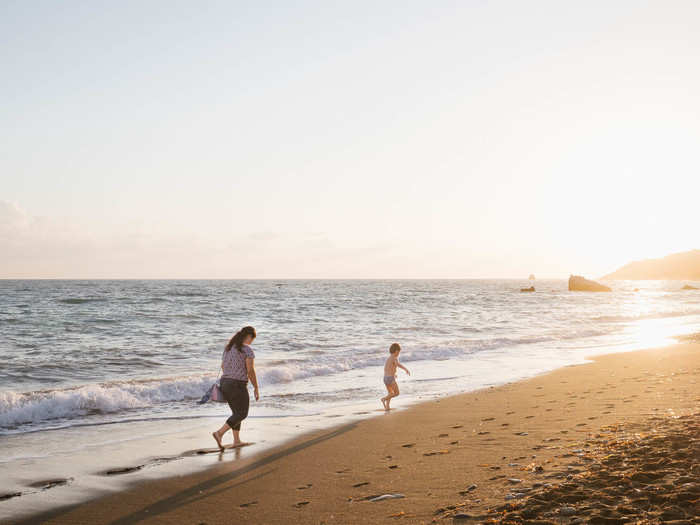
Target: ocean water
95	360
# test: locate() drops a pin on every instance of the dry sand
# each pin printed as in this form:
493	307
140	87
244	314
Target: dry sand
574	439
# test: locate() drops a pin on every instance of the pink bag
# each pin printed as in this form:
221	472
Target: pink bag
216	394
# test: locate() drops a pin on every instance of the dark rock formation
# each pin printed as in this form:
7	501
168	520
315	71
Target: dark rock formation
579	284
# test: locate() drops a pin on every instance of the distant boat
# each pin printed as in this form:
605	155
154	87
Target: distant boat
531	289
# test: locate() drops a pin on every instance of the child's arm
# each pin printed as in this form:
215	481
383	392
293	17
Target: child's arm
401	366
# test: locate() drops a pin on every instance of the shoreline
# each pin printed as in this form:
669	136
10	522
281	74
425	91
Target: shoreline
380	458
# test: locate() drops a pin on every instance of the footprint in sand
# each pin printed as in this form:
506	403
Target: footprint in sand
505	424
393	466
249	504
360	484
592	418
50	483
301	504
469	489
122	470
443	435
483	433
581	425
509	413
304	487
488	419
408	445
457	426
529	417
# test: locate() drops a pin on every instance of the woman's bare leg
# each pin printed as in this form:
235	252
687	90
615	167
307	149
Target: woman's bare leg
220	433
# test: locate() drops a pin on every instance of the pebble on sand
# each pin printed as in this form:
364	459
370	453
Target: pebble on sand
385	497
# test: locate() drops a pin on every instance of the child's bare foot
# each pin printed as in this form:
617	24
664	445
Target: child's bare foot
239	443
218	440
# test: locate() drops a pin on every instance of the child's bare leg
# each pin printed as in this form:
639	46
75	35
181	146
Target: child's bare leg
386	398
394	392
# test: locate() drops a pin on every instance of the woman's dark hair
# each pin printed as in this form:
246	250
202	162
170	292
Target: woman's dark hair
239	337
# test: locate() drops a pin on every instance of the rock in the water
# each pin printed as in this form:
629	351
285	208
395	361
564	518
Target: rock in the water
688	287
579	284
567	511
531	289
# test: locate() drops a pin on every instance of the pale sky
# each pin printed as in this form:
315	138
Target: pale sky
346	139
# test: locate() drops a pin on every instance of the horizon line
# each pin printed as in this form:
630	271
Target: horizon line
289	278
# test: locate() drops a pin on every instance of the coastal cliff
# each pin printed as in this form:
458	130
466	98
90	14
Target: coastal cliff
678	266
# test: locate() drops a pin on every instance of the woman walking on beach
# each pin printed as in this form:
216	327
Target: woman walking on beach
238	367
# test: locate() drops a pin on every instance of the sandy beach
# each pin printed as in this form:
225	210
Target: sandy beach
296	204
556	448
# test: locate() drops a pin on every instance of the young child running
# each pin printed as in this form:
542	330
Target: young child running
390	366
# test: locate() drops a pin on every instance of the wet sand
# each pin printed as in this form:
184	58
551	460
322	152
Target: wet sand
610	441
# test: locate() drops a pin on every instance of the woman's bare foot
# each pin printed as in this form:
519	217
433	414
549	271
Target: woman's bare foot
237	444
384	404
218	440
